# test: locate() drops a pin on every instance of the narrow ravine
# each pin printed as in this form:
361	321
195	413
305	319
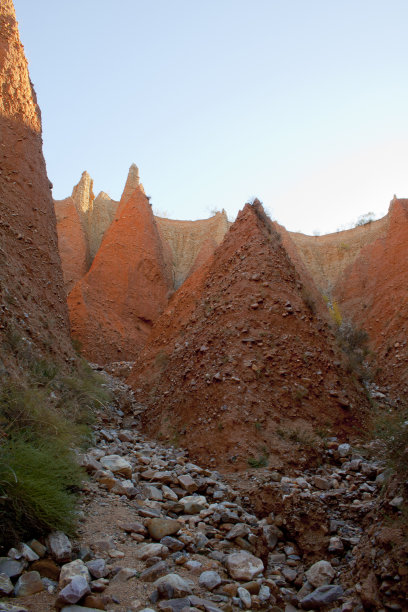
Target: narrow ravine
158	532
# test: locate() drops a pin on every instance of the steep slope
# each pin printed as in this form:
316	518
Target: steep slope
103	212
191	242
72	242
238	365
373	293
113	308
326	257
33	308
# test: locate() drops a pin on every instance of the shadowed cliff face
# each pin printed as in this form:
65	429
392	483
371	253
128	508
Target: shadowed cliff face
238	346
191	242
113	307
373	293
33	306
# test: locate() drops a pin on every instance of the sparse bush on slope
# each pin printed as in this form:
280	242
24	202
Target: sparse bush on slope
44	415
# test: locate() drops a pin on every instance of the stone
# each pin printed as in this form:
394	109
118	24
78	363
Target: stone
174	605
89	463
289	574
59	546
124	487
187	483
133	527
180	586
209	580
344	450
240	530
124	574
99	585
271	535
158	528
321	483
6	586
97	568
322	596
203	604
172	544
28	584
27	553
73	591
117	465
245	597
11	567
38	548
7	607
335	545
264	593
145	551
169	493
152	492
320	573
243	565
193	504
47	568
397	502
154	572
70	570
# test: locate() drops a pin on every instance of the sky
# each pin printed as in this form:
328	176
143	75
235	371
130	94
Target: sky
301	103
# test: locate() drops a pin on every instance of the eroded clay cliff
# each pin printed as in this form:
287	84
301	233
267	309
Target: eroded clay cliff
238	363
33	307
372	292
113	308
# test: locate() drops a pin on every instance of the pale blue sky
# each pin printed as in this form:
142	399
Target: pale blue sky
300	102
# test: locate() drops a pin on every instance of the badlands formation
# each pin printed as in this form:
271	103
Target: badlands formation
238	467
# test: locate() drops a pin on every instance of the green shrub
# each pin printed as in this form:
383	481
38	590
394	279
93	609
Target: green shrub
43	416
37	485
353	342
393	430
261	461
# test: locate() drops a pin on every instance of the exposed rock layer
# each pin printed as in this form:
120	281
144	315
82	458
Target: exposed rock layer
33	307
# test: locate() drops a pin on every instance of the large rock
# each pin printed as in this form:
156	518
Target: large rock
11	567
180	586
97	568
243	566
70	570
59	546
28	584
151	550
209	580
73	591
322	596
160	527
117	465
320	573
6	586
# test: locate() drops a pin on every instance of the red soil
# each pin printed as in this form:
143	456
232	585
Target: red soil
238	365
113	308
72	243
